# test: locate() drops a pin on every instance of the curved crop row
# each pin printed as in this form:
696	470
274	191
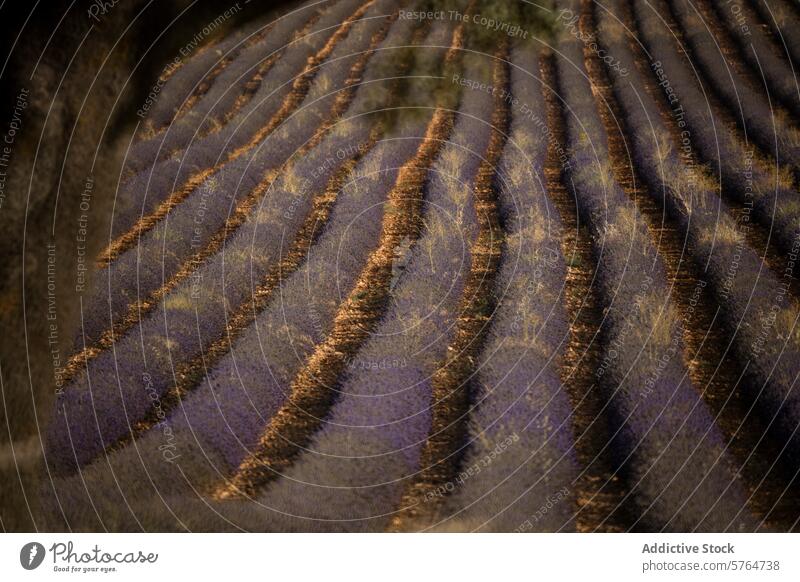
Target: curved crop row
708	234
659	416
757	49
199	227
770	201
519	470
224	282
246	79
758	309
146	199
756	116
451	385
222	419
777	14
599	490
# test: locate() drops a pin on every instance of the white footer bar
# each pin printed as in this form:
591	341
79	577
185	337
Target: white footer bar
378	558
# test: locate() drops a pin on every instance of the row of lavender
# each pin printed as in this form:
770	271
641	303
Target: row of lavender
764	56
219	422
665	439
781	17
746	98
757	305
162	252
154	182
196	312
241	69
521	456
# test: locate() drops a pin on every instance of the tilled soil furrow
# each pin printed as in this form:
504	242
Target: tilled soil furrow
712	365
204	85
291	102
758	233
236	219
599	490
253	84
190	373
733	111
441	454
313	390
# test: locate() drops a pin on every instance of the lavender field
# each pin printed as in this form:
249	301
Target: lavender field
440	265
